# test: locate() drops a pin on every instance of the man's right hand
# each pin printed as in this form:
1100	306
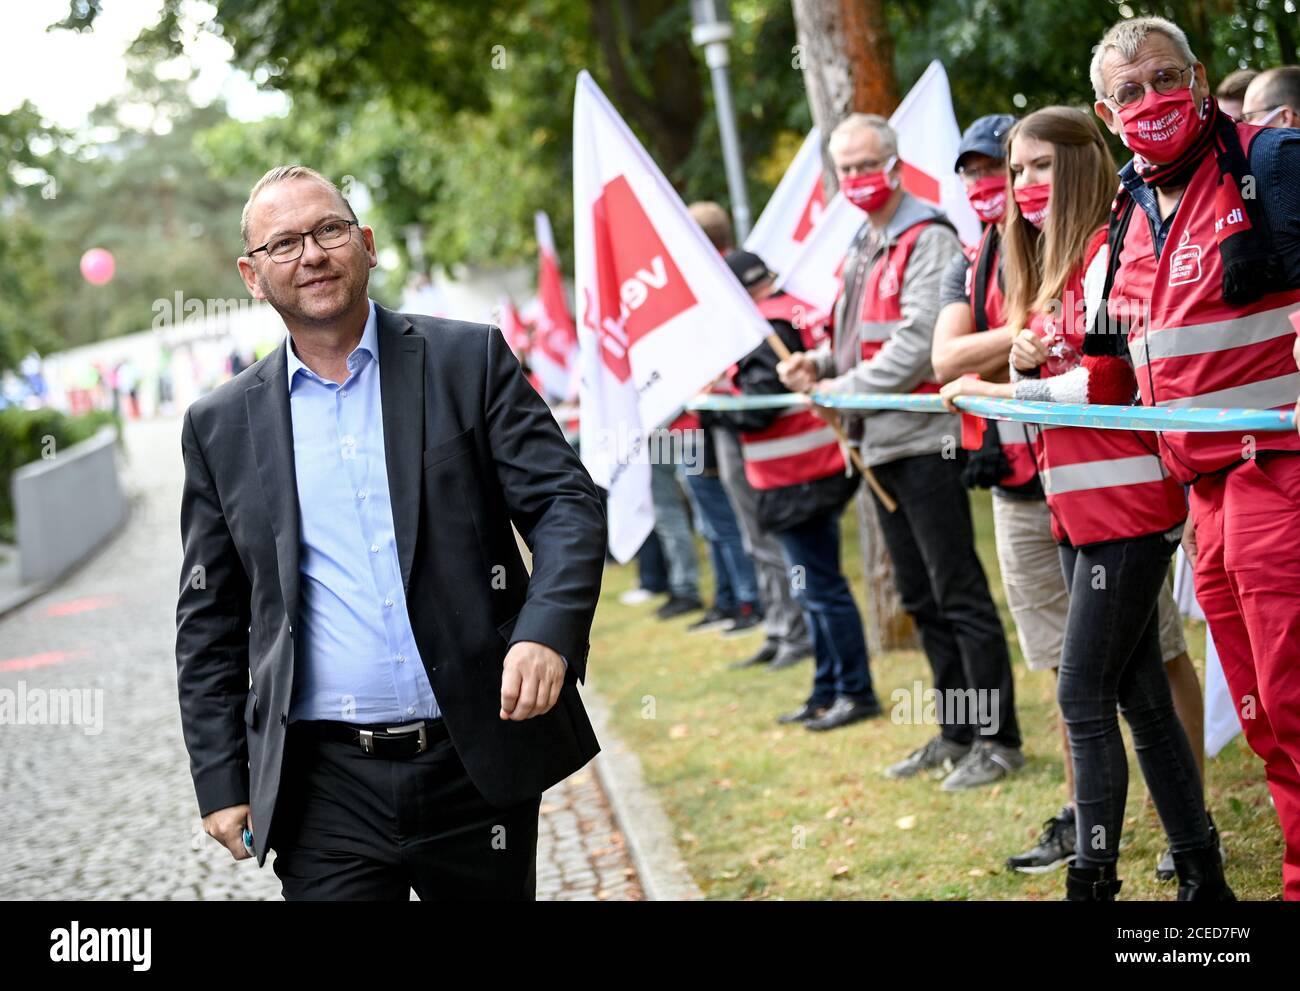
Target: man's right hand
227	826
798	372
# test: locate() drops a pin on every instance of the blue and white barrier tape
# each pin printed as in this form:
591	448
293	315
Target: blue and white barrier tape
1054	414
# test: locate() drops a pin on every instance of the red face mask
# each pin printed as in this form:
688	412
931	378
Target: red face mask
988	198
868	192
1034	202
1161	126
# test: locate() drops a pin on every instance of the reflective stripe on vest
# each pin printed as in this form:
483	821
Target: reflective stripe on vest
881	313
798	446
1189	347
1102	474
1084	471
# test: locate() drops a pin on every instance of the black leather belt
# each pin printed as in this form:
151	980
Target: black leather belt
378	740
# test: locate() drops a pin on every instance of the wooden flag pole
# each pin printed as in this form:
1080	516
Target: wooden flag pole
833	418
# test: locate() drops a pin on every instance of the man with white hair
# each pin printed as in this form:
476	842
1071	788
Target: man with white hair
1205	239
884	328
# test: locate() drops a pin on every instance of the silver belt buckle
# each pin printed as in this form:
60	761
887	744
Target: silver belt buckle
367	740
421	727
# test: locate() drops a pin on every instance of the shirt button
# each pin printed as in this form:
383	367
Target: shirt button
401	658
362	494
388	602
374	548
410	710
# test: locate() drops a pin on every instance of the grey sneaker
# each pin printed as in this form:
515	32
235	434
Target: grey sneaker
987	762
937	753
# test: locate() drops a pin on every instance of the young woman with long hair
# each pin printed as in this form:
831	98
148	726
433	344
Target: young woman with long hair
1116	512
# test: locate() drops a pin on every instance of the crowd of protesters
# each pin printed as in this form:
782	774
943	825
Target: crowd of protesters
1200	229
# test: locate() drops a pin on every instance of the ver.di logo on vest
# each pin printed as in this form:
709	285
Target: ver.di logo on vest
1185	262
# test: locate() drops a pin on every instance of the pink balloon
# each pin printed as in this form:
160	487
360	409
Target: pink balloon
98	266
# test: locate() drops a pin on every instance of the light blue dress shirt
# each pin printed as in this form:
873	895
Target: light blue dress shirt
357	661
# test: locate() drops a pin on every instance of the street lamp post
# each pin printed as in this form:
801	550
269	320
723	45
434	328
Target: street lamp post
711	31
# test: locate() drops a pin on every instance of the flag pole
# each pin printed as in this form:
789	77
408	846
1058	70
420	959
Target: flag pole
833	418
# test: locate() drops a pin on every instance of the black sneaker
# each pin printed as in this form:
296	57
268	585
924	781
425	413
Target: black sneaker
764	655
748	619
714	619
678	605
938	753
789	658
1053	849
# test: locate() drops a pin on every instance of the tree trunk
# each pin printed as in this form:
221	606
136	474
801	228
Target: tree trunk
658	87
847	58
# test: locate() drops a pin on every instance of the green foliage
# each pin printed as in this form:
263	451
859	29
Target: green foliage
23	439
457	119
1013	56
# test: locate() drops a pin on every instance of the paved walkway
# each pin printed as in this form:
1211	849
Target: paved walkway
106	809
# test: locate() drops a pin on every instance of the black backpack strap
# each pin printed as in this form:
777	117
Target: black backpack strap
983	269
1104	337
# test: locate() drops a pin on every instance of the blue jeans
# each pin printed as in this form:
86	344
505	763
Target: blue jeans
673	528
652	569
812	550
735	579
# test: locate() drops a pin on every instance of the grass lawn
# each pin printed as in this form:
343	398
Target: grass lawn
764	811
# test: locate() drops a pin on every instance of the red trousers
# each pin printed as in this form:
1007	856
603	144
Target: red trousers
1248	583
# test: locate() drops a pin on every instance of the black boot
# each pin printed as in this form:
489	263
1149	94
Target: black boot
1091	884
1200	876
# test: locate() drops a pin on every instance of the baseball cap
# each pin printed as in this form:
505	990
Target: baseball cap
747	267
986	136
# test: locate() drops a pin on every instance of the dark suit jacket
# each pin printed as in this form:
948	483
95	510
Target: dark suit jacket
470	447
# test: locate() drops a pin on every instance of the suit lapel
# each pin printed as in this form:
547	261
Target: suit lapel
401	386
271	428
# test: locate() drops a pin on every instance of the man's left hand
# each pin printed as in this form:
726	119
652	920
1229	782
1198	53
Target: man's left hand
531	680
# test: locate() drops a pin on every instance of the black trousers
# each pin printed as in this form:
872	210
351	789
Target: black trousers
943	587
1112	658
350	826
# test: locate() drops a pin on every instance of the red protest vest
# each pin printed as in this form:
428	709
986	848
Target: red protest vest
993	300
1194	350
1101	485
1017	439
798	446
810	322
881	314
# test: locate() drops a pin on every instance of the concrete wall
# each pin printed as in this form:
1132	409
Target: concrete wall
66	506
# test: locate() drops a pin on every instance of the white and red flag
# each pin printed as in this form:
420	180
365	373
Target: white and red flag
794	209
927	147
814	274
928	137
513	328
660	313
555	339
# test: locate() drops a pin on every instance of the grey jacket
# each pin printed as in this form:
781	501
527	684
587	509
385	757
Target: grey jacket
903	362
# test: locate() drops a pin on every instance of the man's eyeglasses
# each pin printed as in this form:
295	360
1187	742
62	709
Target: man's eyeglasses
975	173
289	247
1163	82
1262	115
